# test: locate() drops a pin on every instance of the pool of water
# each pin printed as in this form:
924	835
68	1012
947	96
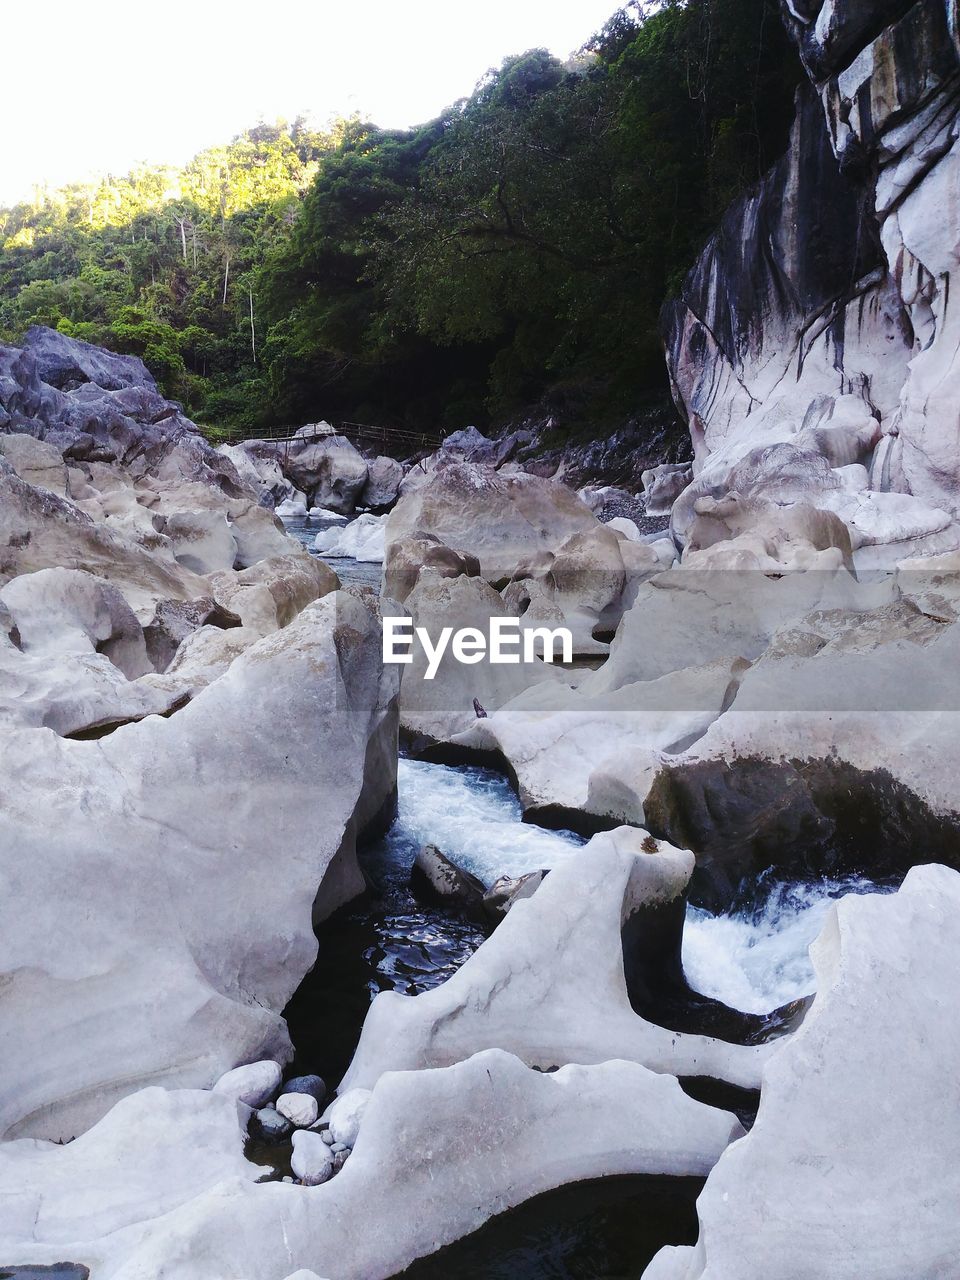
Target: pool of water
605	1229
388	941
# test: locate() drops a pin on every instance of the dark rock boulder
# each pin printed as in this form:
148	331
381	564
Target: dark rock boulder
435	879
175	620
67	363
313	1086
96	406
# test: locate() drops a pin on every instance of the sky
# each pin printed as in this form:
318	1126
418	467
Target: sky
93	86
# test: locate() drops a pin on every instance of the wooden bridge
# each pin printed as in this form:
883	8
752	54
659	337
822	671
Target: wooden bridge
392	440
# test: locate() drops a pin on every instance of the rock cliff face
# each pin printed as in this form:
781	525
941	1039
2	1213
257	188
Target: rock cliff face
816	321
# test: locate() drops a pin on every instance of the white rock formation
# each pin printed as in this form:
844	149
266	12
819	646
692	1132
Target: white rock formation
853	1165
549	985
442	706
502	520
585	586
154	1151
146	849
490	1124
566	744
802	328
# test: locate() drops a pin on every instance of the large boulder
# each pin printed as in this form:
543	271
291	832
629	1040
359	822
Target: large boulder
36	462
383	484
67	363
585	586
853	1165
146	849
97	406
837	753
272	592
65	611
260	470
328	469
500	519
201	541
662	486
39	530
436	704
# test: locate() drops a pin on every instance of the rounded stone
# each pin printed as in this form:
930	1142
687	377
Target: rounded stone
299	1108
345	1115
253	1084
311	1160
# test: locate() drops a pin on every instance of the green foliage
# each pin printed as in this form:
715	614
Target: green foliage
162	262
519	248
514	252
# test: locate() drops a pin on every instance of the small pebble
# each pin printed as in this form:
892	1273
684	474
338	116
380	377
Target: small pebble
338	1146
327	1137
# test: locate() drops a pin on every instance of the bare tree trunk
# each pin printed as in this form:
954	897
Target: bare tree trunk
226	277
194	230
253	330
182	222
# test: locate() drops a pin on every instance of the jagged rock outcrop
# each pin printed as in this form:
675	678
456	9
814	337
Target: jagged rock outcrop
96	406
316	463
817	320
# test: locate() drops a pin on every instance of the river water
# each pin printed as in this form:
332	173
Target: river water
753	958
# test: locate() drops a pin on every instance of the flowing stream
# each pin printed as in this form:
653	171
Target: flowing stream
753	958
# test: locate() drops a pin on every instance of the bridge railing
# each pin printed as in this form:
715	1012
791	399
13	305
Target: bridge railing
391	439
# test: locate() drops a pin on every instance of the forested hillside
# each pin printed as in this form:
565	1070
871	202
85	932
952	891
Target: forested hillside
511	254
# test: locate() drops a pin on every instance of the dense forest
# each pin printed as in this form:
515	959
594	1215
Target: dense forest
510	256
